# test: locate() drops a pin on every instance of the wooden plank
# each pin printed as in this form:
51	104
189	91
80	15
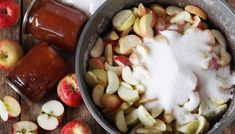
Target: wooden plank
12	33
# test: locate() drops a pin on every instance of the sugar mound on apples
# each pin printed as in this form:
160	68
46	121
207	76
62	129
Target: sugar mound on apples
177	78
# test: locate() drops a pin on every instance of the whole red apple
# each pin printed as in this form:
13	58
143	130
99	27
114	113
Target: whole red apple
10	53
68	91
9	13
76	127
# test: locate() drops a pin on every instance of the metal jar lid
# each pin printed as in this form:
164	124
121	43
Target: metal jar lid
26	16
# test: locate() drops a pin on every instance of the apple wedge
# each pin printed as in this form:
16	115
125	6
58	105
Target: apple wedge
133	130
132	118
225	57
168	117
173	10
141	10
127	76
126	85
97	95
127	43
136	27
127	94
112	35
96	63
113	82
140	88
147	131
9	108
111	102
124	106
159	10
123	20
91	79
52	113
211	37
120	121
121	61
203	125
115	69
156	111
146	25
98	48
108	54
189	128
24	127
101	75
142	50
145	117
159	125
181	17
196	11
219	37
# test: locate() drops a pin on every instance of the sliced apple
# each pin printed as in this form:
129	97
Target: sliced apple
146	25
161	25
143	50
181	17
219	101
97	95
159	10
113	82
127	43
203	125
147	131
101	75
173	10
140	88
24	127
219	37
193	103
141	10
124	106
211	37
112	35
132	118
51	115
189	128
156	111
133	130
127	94
91	79
127	76
135	11
126	32
136	27
159	125
126	85
111	102
123	20
96	63
121	61
135	59
108	54
145	117
197	22
121	122
115	69
196	11
98	48
225	57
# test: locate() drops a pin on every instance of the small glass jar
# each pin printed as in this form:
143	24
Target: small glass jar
55	23
37	72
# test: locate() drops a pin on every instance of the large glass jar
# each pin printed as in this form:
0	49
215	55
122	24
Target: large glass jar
55	23
37	72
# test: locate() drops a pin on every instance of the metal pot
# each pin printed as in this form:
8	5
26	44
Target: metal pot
220	16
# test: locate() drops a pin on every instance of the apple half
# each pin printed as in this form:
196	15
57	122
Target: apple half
24	127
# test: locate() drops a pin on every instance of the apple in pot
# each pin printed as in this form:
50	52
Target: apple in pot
10	53
9	13
9	108
76	127
24	127
69	92
51	116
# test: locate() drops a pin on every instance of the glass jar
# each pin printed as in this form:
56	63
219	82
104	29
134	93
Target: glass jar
55	23
37	72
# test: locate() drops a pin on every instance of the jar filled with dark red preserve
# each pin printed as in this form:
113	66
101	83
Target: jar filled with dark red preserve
55	23
37	72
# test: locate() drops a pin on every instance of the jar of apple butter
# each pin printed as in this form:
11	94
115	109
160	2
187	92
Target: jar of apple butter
55	23
37	72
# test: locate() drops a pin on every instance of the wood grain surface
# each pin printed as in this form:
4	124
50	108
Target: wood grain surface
29	110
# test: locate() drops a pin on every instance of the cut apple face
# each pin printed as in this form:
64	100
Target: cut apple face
113	82
111	102
97	95
101	75
127	76
127	94
145	117
9	108
136	27
24	127
155	112
203	125
51	115
181	17
123	20
121	61
189	128
132	118
127	43
98	48
121	122
115	69
173	10
159	125
146	25
112	35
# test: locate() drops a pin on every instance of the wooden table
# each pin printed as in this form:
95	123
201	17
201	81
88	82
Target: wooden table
30	111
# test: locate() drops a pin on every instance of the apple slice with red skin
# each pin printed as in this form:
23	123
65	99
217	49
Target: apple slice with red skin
69	92
121	61
96	63
10	53
9	108
9	13
24	127
76	127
